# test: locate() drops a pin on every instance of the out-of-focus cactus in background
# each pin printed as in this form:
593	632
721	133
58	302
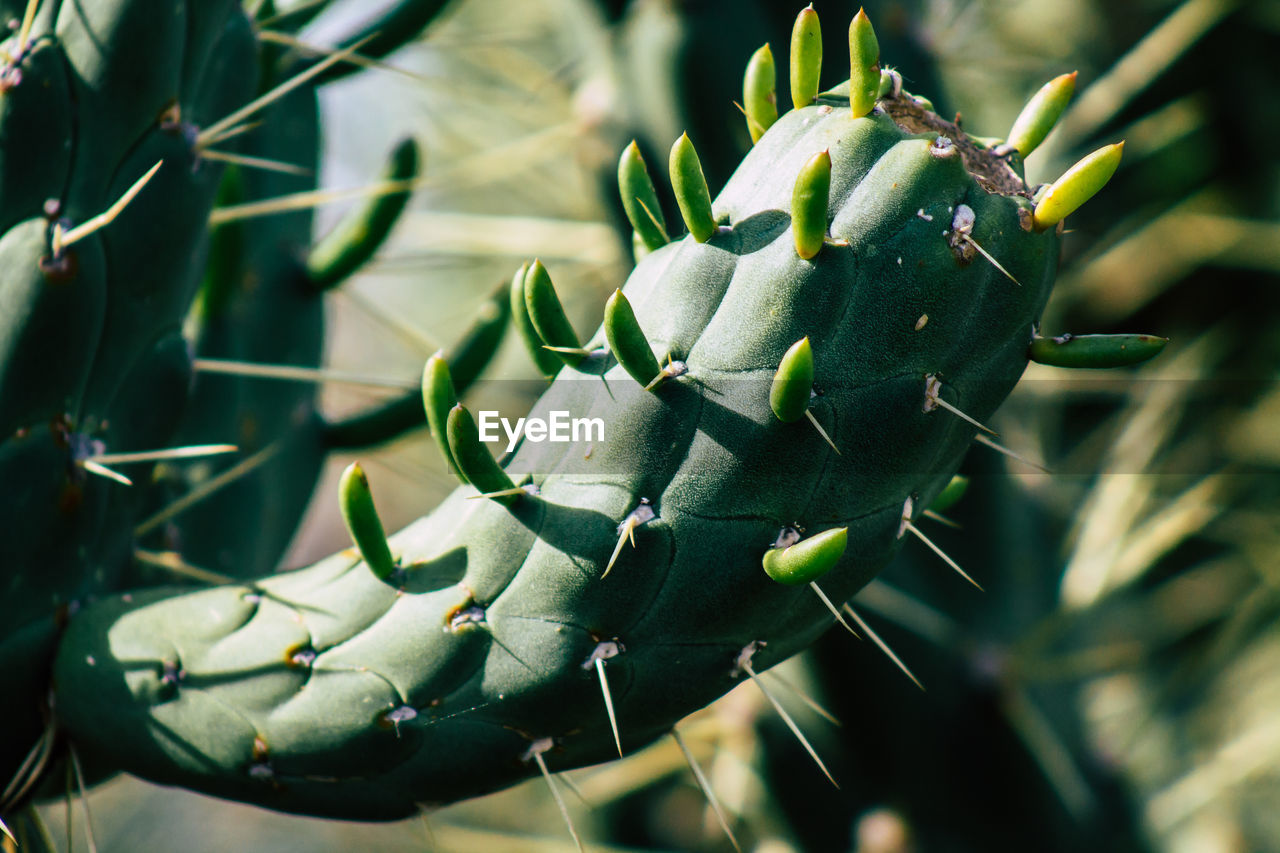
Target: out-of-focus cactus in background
1115	684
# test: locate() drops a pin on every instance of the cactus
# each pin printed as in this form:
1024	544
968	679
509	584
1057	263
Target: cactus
115	125
828	338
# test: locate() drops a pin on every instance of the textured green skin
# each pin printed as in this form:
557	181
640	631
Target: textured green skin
85	355
238	719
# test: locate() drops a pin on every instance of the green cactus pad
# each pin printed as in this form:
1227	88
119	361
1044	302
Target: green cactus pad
333	692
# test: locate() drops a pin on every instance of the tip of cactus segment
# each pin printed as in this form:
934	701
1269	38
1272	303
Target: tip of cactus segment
1095	351
1076	186
808	559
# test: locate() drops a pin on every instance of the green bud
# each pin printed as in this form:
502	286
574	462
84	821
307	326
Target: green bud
640	199
690	187
793	383
363	523
760	93
808	559
864	65
806	57
1096	351
1041	113
627	341
473	459
1076	186
809	205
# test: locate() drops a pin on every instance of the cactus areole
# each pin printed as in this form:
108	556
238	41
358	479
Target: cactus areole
337	692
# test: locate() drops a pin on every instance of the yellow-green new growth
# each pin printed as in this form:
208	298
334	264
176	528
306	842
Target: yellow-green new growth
1041	113
808	559
547	315
690	187
438	397
760	93
1076	186
793	383
547	362
1095	351
361	517
640	199
806	57
627	341
864	65
809	202
474	461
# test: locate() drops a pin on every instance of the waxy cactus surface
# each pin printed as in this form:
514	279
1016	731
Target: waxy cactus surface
778	396
343	691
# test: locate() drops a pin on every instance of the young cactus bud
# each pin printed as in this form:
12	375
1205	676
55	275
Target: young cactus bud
808	559
547	362
362	232
864	65
640	199
809	205
793	383
1041	113
627	341
1076	186
1097	351
760	93
950	494
690	187
363	523
547	314
474	461
438	397
806	57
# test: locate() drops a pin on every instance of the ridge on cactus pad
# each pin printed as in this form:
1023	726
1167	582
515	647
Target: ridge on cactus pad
643	561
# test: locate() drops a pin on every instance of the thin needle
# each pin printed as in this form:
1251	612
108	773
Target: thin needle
1000	448
208	487
555	792
171	561
907	525
791	724
834	610
296	374
103	471
191	451
62	239
608	704
881	644
255	162
84	800
210	134
705	785
808	413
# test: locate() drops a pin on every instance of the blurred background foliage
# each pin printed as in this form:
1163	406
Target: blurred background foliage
1117	686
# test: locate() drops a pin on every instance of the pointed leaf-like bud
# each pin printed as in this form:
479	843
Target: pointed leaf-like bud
793	383
640	199
438	397
760	93
473	459
627	341
358	511
808	559
806	57
809	205
1076	186
547	314
1096	351
1041	113
690	187
864	65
